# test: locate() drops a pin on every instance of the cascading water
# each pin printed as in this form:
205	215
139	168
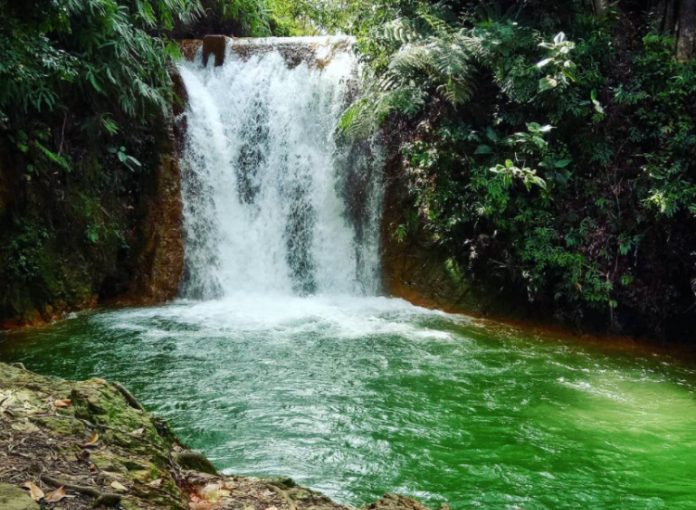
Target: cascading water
273	202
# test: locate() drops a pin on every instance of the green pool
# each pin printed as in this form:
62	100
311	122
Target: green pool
359	396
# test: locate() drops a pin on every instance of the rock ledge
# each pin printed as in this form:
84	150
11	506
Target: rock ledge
81	445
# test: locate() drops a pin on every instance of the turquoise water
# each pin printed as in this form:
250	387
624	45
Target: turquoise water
359	396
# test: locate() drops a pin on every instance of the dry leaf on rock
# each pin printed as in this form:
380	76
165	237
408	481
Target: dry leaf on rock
92	441
56	495
156	483
34	491
211	487
118	486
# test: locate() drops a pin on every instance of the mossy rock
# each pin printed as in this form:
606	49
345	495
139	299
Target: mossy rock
194	461
397	502
14	498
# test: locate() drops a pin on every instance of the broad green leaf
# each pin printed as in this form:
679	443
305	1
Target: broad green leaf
547	83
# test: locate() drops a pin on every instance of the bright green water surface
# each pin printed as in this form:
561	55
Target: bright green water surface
359	396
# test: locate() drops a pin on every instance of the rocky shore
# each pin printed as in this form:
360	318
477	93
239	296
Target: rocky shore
90	444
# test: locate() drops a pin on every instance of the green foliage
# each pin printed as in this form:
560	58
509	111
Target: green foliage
557	64
84	91
253	15
355	17
98	49
431	59
549	151
23	254
82	69
251	18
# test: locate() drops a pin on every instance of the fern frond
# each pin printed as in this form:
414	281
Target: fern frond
437	25
411	59
400	31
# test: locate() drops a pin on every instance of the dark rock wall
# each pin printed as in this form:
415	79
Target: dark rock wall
100	234
159	262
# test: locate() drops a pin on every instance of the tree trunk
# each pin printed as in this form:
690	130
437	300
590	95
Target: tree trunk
686	34
666	10
599	7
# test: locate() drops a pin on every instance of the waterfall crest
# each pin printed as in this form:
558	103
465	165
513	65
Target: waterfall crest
274	202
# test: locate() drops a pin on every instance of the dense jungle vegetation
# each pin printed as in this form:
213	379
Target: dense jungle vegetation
549	150
548	147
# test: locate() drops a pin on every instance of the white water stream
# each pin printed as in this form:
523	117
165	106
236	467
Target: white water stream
273	203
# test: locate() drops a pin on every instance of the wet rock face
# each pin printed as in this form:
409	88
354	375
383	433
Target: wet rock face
216	46
317	53
189	47
5	190
135	256
160	263
157	265
412	268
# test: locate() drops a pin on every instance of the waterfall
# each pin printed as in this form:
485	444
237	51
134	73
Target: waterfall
274	200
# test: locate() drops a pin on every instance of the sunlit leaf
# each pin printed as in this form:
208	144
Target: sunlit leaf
34	491
156	483
92	441
62	403
56	495
547	83
118	486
